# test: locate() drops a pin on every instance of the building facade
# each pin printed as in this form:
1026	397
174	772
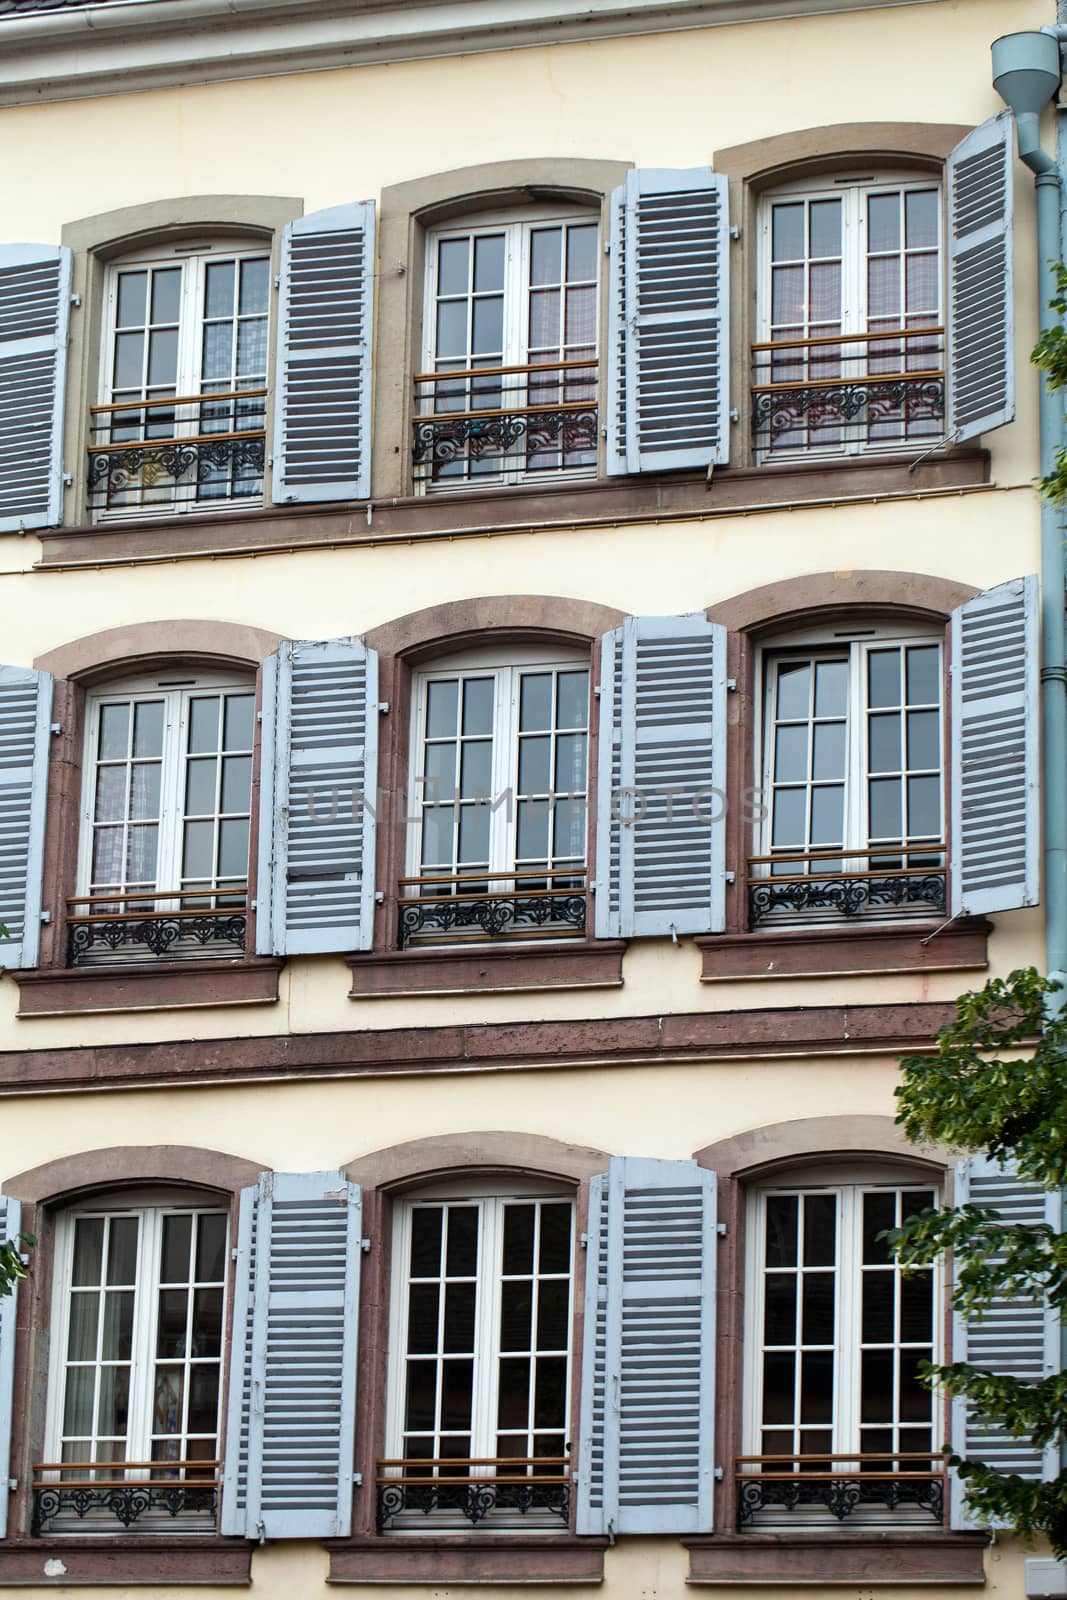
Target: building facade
518	546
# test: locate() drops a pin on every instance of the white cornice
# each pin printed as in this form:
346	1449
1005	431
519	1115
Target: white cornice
123	46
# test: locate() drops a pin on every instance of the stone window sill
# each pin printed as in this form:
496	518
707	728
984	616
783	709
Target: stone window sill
468	1559
827	1560
163	986
500	969
845	951
149	1561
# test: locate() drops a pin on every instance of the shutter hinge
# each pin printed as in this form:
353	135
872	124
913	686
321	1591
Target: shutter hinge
597	691
583	1240
718	1474
261	1532
735	231
255	905
735	415
731	877
607	247
259	716
379	897
76	301
731	685
68	479
383	706
12	1484
46	916
233	1253
56	727
277	280
357	1479
720	1229
364	1245
270	461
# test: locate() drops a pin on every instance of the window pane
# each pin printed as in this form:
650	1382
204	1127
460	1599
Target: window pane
453	266
921	216
817	1386
790	818
147	728
210	1249
489	262
203	724
424	1301
876	1386
787	232
828	750
915	1399
535	701
177	1240
476	768
81	1336
452	328
550	1391
879	1213
163	358
924	739
117	1341
831	688
233	847
518	1239
916	1306
207	1323
582	252
462	1253
478	706
218	356
133	288
251	359
513	1406
820	1224
200	783
255	286
516	1308
555	1250
824	294
924	806
426	1241
885	743
546	245
922	281
456	1393
440	772
544	319
791	754
884	808
825	225
779	1378
203	1399
122	1250
78	1404
198	859
572	699
167	1402
421	1394
236	783
114	1405
239	714
473	835
488	336
883	287
552	1307
173	1313
459	1317
828	814
107	856
442	702
144	790
437	836
818	1308
878	1307
114	732
794	690
531	842
570	761
779	1308
883	678
218	295
535	758
129	361
110	794
166	294
782	1230
788	300
883	221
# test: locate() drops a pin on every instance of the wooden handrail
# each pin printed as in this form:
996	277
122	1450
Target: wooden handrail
155	894
577	871
835	383
847	1455
496	372
178	400
848	338
474	1461
502	411
835	852
191	438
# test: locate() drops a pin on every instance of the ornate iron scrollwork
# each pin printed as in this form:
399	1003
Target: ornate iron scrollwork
441	440
873	405
497	917
848	897
187	466
126	1504
158	934
840	1496
474	1500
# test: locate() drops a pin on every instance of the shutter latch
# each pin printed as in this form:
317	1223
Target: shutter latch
46	916
364	1245
357	1479
730	877
583	1240
718	1474
12	1484
720	1229
383	706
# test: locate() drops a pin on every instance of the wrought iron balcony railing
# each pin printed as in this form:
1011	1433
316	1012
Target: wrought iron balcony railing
485	425
152	924
177	452
879	1490
467	907
882	881
502	1493
80	1496
841	392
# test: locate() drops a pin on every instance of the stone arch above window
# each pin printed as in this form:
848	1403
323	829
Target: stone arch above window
448	1155
798	602
759	1152
785	155
116	649
463	622
125	1165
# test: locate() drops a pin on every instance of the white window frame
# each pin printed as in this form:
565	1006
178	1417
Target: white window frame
849	1186
853	190
151	1211
492	1199
193	259
855	643
176	697
506	668
516	292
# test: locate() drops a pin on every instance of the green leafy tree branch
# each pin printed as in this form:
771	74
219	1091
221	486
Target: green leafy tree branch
1050	355
996	1082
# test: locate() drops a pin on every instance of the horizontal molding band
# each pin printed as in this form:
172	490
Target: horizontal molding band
767	1034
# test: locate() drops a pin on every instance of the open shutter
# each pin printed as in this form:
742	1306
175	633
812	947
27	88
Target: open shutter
669	359
322	422
661	779
647	1406
315	887
1017	1337
981	320
10	1220
25	730
291	1420
995	723
34	320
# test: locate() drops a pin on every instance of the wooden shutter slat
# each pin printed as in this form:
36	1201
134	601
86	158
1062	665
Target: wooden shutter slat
10	1224
317	824
981	316
34	321
292	1407
668	355
25	734
323	419
660	836
646	1447
994	776
1017	1337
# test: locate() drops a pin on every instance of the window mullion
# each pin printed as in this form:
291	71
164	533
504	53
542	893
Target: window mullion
848	1363
175	726
504	766
856	743
486	1378
143	1351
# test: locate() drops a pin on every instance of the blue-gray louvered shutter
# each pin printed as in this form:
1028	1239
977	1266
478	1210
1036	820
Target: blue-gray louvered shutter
323	411
668	355
34	320
25	732
10	1221
315	883
995	730
1017	1337
290	1431
646	1448
981	310
661	861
